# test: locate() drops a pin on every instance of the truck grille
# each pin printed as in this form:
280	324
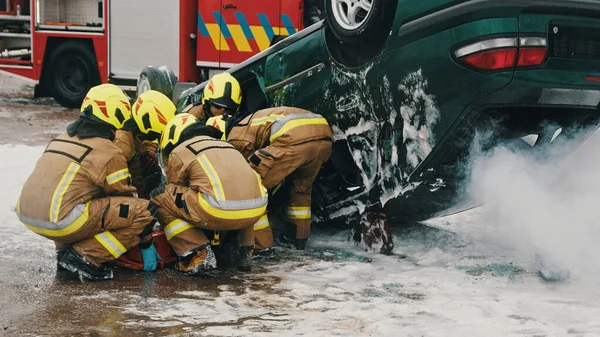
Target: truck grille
574	42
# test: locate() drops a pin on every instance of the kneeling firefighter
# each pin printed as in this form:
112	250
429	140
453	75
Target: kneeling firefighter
79	194
282	143
209	187
138	139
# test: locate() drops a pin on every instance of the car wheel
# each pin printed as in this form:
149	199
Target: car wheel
358	29
357	21
73	73
161	79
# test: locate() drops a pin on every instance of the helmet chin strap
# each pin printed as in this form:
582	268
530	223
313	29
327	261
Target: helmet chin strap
206	107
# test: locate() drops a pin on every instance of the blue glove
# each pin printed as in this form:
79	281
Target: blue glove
149	255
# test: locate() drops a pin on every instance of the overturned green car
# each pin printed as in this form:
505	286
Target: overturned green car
408	85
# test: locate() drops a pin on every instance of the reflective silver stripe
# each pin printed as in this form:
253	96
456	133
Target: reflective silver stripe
299	212
235	205
63	223
260	223
109	241
281	122
117	176
175	227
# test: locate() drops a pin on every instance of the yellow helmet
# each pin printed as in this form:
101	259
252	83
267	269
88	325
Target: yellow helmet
219	123
172	134
107	103
223	90
151	112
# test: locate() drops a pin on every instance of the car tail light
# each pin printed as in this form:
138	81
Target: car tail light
504	53
493	59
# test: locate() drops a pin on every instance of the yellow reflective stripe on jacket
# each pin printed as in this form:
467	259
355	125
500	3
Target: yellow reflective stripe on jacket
117	176
263	189
175	227
267	119
231	214
61	189
213	177
294	123
57	233
299	212
262	223
108	241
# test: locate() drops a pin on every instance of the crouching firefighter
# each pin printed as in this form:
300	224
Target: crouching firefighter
209	187
139	139
79	194
286	146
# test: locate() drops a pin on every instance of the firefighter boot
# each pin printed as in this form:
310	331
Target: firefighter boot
60	252
202	260
267	253
78	265
244	258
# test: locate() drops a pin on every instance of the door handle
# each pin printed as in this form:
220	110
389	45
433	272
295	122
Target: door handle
228	6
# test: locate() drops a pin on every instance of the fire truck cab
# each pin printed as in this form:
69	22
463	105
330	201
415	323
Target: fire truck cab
67	46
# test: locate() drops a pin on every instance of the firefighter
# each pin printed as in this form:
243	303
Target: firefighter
222	95
139	139
279	143
290	144
209	187
79	194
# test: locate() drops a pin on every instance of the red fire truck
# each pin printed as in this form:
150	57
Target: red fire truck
67	46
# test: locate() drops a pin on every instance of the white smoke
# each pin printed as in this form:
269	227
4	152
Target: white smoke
548	208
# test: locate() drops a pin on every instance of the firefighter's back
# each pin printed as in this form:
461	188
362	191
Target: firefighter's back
69	172
217	170
286	125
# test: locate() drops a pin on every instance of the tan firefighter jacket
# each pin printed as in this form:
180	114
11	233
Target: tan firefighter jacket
284	125
130	145
70	173
227	187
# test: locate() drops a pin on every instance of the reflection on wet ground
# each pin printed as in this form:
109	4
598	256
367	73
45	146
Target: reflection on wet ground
43	301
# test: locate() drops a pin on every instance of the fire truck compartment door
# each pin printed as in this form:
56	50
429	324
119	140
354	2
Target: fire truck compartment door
143	33
248	27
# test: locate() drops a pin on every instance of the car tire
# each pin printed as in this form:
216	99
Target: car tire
161	79
362	25
73	72
179	89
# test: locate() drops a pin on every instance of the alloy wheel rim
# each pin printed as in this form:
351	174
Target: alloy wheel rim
351	14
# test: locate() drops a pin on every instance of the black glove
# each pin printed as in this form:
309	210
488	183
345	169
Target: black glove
157	191
149	162
131	126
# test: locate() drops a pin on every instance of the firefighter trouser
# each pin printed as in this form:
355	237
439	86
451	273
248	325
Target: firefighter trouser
100	230
185	212
299	165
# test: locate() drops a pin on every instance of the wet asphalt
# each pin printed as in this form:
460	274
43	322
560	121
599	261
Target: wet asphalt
38	300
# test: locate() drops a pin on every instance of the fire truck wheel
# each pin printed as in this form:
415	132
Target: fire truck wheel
73	73
359	21
160	79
